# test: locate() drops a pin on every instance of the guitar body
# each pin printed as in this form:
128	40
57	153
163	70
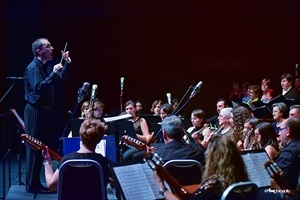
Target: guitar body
38	145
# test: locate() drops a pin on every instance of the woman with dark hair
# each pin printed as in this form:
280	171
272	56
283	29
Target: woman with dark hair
239	115
265	136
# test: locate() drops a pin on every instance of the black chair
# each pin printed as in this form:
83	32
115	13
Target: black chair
185	171
81	179
241	191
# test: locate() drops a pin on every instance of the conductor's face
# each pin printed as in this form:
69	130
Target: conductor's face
46	50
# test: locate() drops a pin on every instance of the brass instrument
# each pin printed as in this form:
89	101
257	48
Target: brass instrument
204	143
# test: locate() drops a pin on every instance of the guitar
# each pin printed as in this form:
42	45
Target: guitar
134	143
18	118
276	173
156	163
38	145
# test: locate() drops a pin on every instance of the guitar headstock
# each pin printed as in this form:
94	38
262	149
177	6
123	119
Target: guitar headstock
154	160
276	173
133	143
32	142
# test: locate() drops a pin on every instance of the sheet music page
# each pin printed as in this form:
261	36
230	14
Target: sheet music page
101	147
115	118
149	175
255	167
134	182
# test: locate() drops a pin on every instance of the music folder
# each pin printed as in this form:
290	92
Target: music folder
254	161
135	180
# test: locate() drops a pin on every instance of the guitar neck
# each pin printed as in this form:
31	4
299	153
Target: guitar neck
54	155
21	122
172	182
38	145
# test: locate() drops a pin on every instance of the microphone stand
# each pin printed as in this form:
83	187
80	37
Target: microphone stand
121	101
176	112
71	115
9	89
19	155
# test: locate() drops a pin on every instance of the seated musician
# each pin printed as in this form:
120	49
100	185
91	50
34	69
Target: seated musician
248	141
265	137
198	120
141	129
224	128
288	161
91	133
217	176
174	147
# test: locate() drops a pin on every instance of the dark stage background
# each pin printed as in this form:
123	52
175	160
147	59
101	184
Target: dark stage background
158	46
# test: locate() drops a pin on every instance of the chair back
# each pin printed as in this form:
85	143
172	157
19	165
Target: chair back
185	171
81	179
241	191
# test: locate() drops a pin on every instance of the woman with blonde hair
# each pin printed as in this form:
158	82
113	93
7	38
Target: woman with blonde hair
224	166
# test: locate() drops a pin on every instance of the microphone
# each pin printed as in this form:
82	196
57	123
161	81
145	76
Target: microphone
14	78
94	88
169	98
122	83
82	92
196	89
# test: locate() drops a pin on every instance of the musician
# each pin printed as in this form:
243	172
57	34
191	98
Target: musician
140	126
297	83
294	111
221	103
265	84
248	142
288	160
84	109
238	117
288	90
254	94
265	136
280	113
174	147
165	111
140	107
224	128
40	80
155	109
217	176
91	133
199	127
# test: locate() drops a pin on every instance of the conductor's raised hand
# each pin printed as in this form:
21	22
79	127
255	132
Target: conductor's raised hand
66	56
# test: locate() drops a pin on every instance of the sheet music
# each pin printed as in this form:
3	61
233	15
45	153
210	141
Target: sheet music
255	167
137	182
119	117
101	147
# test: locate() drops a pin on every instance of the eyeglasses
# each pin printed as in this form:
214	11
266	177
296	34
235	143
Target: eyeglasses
281	129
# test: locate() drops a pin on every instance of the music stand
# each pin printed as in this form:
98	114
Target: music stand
75	126
118	129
